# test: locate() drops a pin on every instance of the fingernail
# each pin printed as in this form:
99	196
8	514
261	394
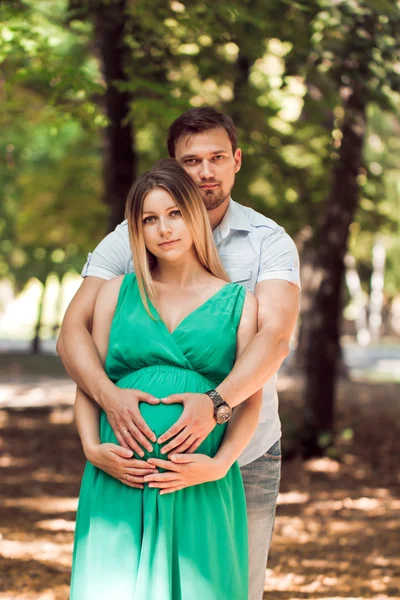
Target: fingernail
163	451
141	453
150	448
153	438
173	456
151	485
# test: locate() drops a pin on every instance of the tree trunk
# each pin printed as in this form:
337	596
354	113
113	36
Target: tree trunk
120	159
322	322
35	347
58	307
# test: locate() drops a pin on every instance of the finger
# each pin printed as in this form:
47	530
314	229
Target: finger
164	485
169	476
121	440
186	444
164	464
145	397
140	438
143	427
173	399
137	464
132	442
133	478
174	430
194	446
121	452
133	485
140	472
169	491
181	458
176	441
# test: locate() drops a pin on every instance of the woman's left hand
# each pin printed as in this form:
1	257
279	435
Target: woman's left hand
184	470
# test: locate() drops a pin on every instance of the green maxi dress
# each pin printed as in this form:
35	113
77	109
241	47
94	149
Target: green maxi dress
134	544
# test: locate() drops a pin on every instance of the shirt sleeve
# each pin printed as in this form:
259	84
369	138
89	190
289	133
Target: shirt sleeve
112	256
279	258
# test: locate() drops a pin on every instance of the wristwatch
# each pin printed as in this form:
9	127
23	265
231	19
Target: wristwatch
222	410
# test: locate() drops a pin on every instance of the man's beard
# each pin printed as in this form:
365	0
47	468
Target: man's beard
214	198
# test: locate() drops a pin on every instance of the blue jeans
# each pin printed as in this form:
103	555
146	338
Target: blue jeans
261	480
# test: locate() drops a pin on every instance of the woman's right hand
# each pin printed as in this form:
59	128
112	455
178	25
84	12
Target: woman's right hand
117	462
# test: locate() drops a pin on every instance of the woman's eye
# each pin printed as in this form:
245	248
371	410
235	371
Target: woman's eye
148	219
175	213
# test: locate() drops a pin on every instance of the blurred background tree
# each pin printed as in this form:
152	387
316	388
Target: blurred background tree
90	88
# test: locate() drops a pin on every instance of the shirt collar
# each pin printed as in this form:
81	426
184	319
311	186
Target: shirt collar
235	218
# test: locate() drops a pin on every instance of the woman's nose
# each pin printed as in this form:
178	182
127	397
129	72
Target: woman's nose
164	226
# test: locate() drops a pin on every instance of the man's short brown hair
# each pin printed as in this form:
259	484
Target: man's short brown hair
197	120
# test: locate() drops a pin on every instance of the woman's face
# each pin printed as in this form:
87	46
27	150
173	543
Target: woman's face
165	232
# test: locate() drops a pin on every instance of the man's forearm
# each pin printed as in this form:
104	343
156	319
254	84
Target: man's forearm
87	420
240	430
82	362
259	361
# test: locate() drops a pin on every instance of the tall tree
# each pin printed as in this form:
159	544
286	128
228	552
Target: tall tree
363	72
119	153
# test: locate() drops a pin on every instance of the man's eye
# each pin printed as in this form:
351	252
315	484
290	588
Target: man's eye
219	156
191	161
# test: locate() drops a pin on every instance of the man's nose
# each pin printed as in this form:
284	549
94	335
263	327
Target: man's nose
206	170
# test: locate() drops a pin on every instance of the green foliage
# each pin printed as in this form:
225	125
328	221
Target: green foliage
50	123
281	69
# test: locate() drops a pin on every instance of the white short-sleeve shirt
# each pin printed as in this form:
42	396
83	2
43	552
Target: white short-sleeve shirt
252	248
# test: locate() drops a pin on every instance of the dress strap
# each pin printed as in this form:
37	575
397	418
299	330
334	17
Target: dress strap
127	284
238	303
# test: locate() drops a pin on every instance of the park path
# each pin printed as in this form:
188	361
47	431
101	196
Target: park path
337	528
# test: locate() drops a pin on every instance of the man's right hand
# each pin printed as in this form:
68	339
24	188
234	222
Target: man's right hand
123	414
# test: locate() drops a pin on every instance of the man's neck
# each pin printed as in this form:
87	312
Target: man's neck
218	214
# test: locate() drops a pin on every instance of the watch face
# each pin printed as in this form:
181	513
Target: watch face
223	413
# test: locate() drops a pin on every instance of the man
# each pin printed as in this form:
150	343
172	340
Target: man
257	253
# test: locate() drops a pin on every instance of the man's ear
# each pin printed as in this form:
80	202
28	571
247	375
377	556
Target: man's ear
237	157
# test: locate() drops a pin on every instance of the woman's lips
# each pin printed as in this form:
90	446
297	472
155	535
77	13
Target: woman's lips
167	244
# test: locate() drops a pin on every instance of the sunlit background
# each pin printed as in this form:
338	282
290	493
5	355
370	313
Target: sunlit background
314	89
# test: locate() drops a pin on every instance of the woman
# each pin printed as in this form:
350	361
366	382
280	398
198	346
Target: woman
176	325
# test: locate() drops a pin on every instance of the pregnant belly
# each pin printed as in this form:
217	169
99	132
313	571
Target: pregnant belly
161	381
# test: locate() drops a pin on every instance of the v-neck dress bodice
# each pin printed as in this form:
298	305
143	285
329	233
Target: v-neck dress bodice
195	344
191	544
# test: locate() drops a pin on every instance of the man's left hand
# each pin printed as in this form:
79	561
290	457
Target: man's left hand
194	424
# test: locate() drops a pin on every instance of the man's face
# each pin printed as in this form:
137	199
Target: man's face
209	160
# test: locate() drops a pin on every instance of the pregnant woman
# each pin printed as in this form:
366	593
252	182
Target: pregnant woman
175	325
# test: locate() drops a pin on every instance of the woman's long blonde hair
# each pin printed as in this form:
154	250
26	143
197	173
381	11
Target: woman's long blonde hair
172	177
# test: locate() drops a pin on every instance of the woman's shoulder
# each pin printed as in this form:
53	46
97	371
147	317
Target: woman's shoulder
250	301
250	307
109	292
113	285
216	283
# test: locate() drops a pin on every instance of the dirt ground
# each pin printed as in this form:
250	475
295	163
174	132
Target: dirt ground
337	533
